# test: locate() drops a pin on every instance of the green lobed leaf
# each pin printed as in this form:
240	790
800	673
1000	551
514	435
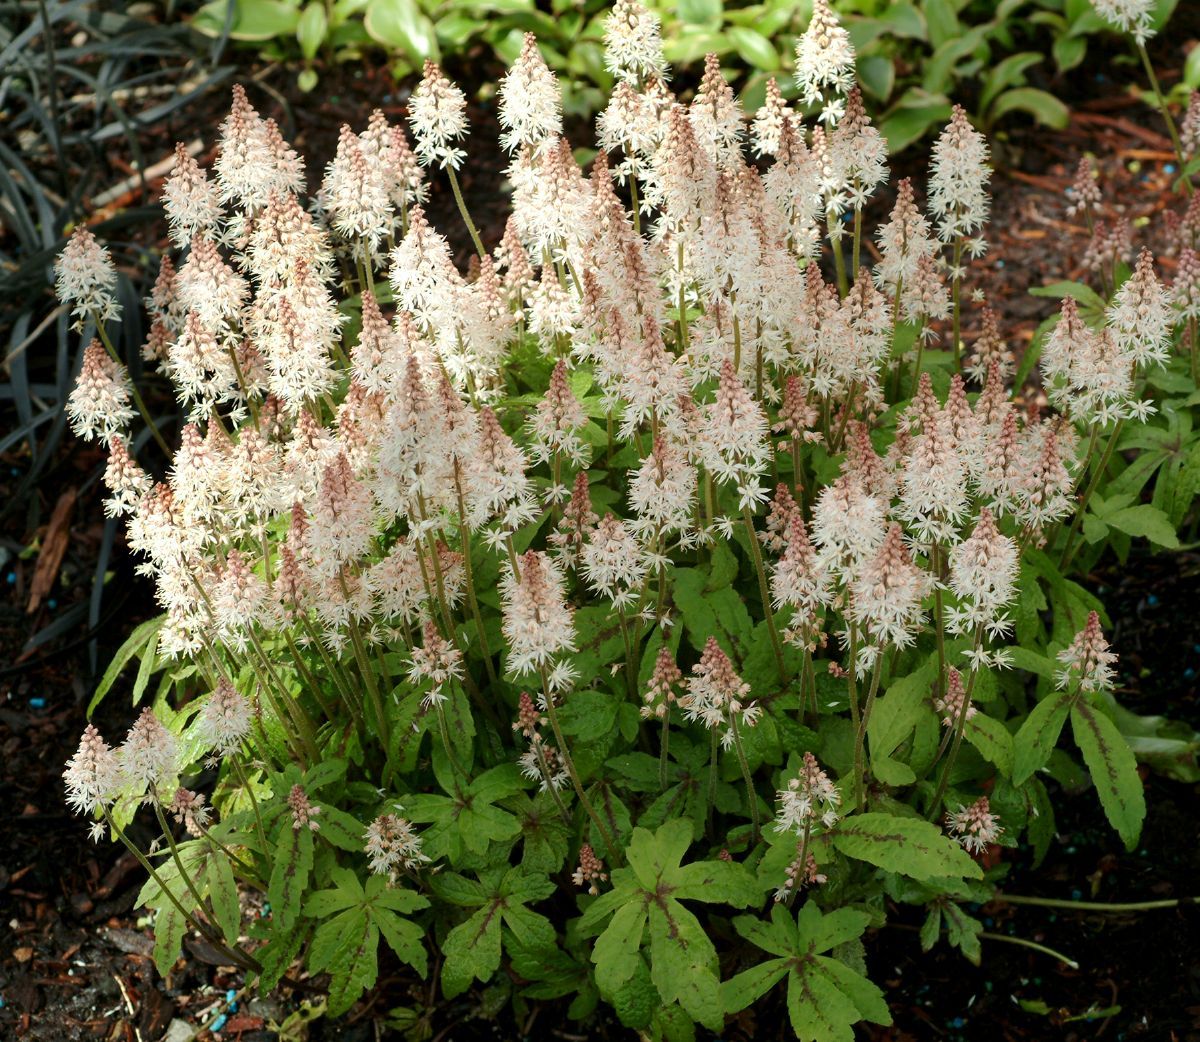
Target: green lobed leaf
138	640
1144	521
1113	768
170	926
615	951
739	991
993	741
222	892
909	846
818	1010
289	876
471	950
897	711
1038	735
683	963
405	938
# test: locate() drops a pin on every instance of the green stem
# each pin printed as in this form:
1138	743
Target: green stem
711	797
239	957
462	209
244	782
292	708
664	757
183	873
860	746
306	675
368	675
956	304
1166	114
1021	942
102	333
464	534
839	262
1096	906
454	764
960	728
857	239
745	765
544	767
764	590
1097	477
248	871
552	713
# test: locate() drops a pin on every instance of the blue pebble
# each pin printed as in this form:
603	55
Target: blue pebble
1152	600
219	1023
52	604
1189	673
37	703
1076	895
1169	168
958	1022
231	995
1	1002
11	578
233	1007
988	923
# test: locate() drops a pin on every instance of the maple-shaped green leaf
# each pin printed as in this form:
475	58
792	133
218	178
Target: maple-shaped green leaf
346	943
648	894
468	820
825	997
472	950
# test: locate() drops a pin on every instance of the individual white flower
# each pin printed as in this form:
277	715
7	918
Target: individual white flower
192	202
716	696
224	721
888	592
613	562
983	576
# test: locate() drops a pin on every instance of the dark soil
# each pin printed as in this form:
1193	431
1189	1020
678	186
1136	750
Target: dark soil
74	956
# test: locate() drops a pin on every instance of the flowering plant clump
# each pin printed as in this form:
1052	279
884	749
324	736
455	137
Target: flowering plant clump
663	563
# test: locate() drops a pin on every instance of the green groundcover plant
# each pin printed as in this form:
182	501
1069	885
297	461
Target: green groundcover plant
913	57
637	616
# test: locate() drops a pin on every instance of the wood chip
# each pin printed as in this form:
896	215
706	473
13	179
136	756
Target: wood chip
54	548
